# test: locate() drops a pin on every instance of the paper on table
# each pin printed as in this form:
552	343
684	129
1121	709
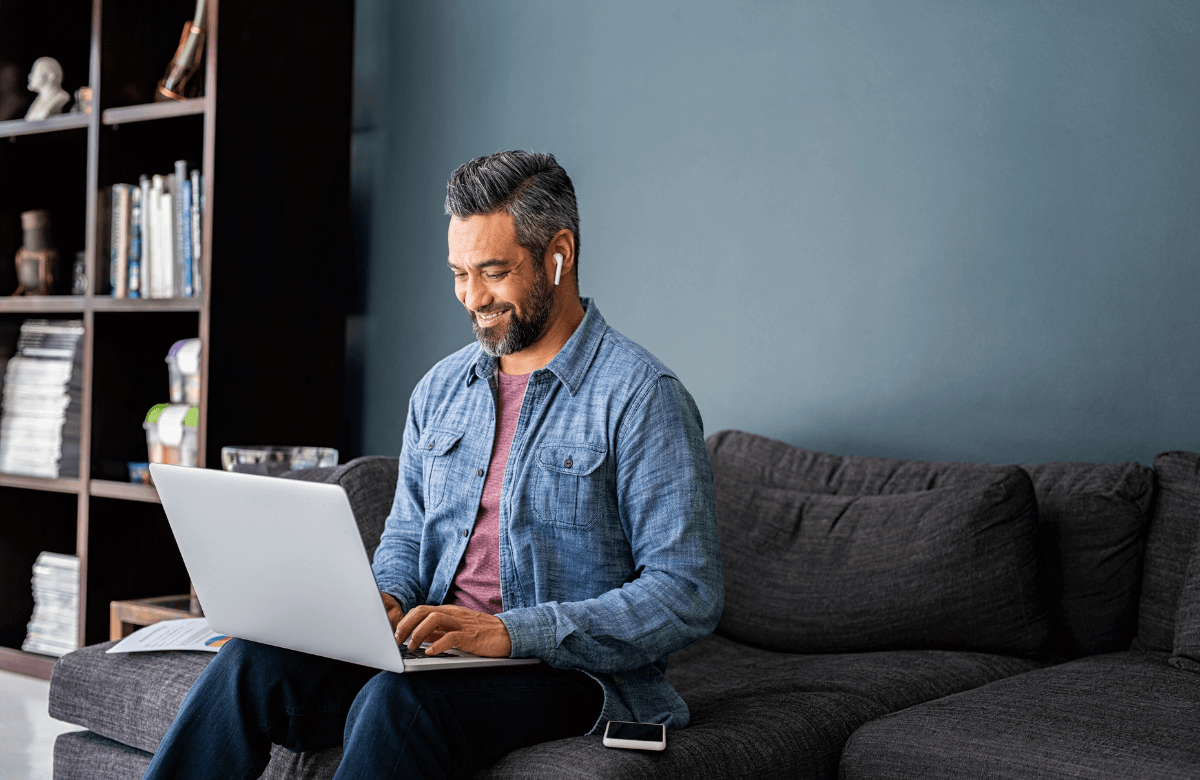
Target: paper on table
186	634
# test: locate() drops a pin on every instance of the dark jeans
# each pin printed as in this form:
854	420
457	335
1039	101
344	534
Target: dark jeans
436	724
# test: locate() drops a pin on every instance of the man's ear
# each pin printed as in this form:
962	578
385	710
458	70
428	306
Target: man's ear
563	243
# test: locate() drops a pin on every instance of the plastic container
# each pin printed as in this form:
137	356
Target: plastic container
183	369
172	435
273	461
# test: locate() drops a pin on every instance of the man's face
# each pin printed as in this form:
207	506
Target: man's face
506	293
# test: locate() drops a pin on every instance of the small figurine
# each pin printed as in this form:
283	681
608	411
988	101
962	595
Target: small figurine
46	80
79	280
36	259
12	100
83	101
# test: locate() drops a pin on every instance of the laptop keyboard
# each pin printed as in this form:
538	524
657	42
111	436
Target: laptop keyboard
415	655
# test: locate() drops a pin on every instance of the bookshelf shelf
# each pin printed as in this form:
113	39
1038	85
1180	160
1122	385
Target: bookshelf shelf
13	128
146	304
148	111
32	664
129	491
39	304
272	313
64	485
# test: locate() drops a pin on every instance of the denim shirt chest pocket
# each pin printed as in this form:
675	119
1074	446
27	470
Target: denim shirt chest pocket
570	484
437	448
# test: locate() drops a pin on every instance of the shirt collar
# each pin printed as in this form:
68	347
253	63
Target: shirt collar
571	363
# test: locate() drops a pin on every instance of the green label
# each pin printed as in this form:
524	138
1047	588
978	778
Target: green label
155	411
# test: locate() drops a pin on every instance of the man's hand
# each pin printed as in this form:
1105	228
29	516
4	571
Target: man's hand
447	627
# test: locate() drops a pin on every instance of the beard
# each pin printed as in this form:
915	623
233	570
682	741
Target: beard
521	331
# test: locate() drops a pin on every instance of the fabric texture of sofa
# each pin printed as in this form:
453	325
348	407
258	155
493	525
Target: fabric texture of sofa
883	618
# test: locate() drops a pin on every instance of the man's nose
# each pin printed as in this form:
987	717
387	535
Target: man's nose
476	295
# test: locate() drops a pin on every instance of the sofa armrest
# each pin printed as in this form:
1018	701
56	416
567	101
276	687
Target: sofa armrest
370	483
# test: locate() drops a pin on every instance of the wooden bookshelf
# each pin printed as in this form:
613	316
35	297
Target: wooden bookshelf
275	155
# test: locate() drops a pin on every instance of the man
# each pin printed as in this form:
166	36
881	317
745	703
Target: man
554	501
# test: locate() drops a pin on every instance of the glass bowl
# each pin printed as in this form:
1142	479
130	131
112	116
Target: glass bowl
274	460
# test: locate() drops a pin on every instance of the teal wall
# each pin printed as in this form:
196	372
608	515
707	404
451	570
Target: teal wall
952	229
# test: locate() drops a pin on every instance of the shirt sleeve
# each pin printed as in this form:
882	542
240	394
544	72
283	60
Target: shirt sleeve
397	559
665	499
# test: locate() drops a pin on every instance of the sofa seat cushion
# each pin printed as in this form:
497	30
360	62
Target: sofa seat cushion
131	698
758	713
1120	715
85	755
754	712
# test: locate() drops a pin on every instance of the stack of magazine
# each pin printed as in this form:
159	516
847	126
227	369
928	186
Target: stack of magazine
42	399
154	246
54	627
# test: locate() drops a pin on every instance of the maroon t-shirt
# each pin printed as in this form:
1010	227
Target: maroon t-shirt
477	583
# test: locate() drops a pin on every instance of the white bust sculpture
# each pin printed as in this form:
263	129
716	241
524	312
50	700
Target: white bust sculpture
46	80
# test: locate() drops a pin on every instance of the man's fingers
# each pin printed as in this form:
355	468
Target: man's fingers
446	641
410	620
434	621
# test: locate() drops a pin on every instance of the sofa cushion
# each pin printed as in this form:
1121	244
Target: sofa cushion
757	713
1091	521
1186	649
1091	526
85	755
949	567
1119	715
1169	543
131	698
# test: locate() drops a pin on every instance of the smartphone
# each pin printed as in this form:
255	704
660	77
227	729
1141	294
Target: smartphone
635	736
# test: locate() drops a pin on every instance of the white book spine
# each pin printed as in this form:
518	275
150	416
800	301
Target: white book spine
144	268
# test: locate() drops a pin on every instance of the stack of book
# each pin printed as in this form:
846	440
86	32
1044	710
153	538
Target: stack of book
154	248
42	399
54	626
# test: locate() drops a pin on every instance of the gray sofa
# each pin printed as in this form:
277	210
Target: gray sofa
883	619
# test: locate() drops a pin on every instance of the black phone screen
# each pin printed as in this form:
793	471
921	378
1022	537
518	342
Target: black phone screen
642	732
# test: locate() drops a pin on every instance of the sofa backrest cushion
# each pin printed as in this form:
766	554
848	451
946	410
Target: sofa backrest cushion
1186	651
1169	544
1092	520
370	484
1091	527
896	556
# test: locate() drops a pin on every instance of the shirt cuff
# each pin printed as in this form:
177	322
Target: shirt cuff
395	592
531	632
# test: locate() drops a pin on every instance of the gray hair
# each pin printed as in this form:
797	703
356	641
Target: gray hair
531	188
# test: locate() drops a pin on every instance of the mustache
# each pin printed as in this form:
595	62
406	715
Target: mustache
493	309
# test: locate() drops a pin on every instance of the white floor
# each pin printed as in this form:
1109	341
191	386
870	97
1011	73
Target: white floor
27	732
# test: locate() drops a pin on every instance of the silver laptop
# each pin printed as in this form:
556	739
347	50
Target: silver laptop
280	561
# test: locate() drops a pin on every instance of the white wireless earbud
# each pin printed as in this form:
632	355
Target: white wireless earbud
558	270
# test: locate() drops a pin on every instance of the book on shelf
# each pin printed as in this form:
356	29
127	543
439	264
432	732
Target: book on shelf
54	626
41	400
155	235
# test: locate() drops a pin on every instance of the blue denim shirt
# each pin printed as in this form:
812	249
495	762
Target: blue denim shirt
608	541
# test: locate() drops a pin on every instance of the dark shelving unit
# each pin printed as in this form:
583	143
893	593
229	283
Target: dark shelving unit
271	134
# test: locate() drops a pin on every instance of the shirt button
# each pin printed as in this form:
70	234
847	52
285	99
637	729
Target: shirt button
479	472
430	446
568	464
466	532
